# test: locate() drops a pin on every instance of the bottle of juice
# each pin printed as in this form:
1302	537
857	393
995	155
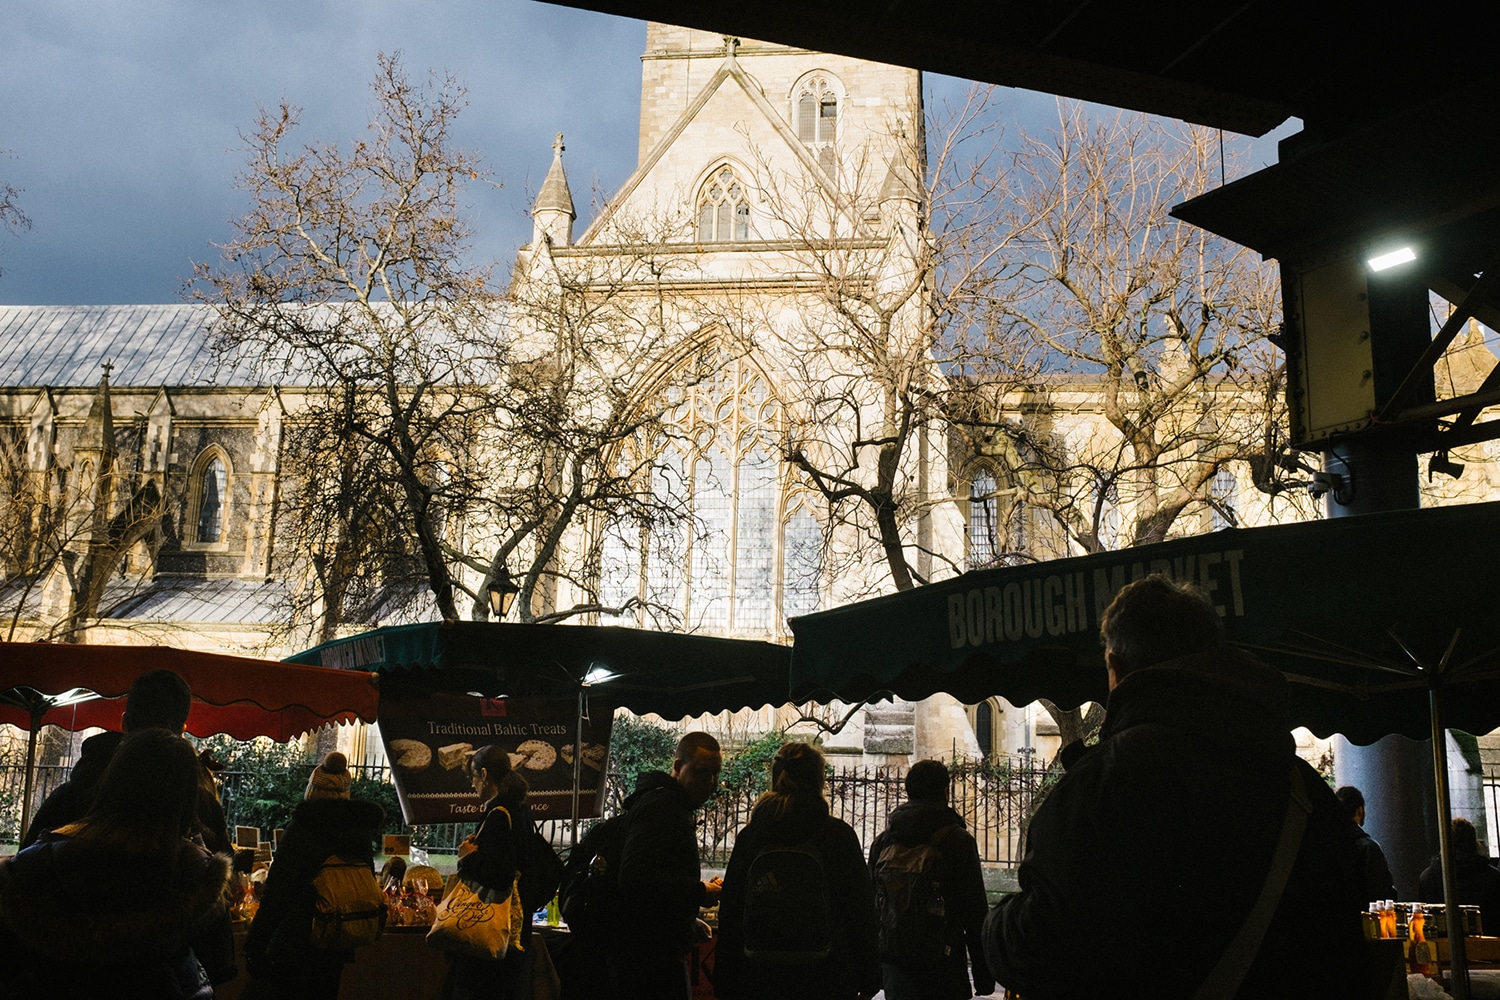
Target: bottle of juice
1420	954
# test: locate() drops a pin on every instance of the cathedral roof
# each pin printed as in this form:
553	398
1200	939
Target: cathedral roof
147	345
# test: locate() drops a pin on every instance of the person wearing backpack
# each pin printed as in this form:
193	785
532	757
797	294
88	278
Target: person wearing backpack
283	946
929	889
797	915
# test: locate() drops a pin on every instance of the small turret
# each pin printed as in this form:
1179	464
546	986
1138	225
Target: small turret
553	215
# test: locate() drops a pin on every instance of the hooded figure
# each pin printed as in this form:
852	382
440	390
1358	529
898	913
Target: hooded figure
1144	861
326	823
926	818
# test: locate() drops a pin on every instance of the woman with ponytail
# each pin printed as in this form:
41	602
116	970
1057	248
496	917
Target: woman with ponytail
794	817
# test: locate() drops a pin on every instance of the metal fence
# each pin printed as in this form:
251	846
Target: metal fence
996	796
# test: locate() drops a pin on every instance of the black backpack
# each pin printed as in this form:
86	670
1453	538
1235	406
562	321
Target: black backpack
909	896
586	893
542	876
788	919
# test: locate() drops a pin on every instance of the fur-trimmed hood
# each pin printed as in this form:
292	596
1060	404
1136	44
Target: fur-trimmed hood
77	900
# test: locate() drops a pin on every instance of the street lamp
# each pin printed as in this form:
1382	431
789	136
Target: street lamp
502	593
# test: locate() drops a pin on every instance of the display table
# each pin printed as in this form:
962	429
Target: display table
399	966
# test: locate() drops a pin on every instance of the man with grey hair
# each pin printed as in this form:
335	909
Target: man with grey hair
1144	864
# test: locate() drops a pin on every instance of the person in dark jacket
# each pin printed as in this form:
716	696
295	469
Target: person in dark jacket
158	699
121	903
659	881
1145	859
326	823
494	856
794	813
1369	859
927	818
1475	880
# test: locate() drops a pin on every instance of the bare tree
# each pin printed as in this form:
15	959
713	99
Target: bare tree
892	256
350	273
1148	332
1126	365
594	335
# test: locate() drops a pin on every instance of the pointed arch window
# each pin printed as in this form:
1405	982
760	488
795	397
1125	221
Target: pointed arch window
723	209
816	112
985	543
716	569
209	498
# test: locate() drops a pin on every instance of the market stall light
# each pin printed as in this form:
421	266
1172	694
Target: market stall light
1387	260
598	675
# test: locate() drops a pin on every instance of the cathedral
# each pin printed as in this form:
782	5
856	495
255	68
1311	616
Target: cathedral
775	187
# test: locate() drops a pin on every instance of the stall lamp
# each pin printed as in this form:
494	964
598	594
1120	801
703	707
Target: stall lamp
598	675
502	593
1388	260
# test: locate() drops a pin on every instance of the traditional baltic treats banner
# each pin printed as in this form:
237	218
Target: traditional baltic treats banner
428	739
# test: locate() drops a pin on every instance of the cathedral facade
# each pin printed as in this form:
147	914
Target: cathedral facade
752	282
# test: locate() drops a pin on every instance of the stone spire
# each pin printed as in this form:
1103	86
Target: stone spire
900	184
553	215
99	428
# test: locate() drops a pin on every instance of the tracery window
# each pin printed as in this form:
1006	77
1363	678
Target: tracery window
1223	490
723	209
984	520
210	494
717	569
816	109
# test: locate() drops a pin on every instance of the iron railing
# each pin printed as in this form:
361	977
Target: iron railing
996	796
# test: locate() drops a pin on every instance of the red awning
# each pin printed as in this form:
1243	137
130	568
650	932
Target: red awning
239	696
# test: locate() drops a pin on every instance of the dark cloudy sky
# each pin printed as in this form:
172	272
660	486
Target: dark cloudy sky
122	120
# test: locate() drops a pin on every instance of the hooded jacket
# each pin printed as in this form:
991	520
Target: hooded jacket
660	882
853	963
916	822
93	919
318	828
1145	859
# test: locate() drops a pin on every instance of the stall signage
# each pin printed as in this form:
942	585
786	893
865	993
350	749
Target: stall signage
428	739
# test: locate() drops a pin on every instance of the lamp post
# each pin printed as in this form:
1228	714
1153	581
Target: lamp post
502	593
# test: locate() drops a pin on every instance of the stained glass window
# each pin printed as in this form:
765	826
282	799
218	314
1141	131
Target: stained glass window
211	501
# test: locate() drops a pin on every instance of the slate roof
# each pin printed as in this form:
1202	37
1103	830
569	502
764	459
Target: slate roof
148	345
63	346
169	599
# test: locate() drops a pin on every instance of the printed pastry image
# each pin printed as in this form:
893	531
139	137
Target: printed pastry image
411	755
593	755
453	755
535	755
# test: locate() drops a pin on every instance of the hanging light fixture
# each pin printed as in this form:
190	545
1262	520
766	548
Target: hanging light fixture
502	593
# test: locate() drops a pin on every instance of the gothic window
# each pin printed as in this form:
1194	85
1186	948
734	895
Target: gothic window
1104	508
723	209
801	563
1222	492
209	497
985	543
717	568
984	728
816	112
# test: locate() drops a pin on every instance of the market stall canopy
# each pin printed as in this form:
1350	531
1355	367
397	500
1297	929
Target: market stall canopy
1335	605
238	696
668	673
